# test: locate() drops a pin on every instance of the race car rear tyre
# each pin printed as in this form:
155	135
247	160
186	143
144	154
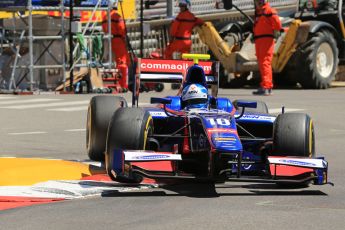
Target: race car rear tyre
261	107
100	111
293	135
318	61
129	129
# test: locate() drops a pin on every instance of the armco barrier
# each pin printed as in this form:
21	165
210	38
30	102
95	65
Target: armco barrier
9	3
23	3
88	3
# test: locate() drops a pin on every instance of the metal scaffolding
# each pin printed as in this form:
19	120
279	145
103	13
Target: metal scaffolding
157	20
27	35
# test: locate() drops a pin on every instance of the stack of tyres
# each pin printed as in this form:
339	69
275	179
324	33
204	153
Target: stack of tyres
102	90
81	87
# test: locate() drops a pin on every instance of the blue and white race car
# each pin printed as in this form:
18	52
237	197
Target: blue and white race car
198	136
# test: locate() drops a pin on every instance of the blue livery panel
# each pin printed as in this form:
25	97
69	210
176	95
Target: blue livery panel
256	118
222	133
225	105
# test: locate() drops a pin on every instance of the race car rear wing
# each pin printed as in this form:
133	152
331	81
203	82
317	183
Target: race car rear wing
174	71
160	70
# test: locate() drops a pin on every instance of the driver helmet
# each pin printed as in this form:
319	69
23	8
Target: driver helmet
194	96
185	3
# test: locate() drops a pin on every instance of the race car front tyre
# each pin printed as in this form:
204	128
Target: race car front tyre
293	135
129	129
100	111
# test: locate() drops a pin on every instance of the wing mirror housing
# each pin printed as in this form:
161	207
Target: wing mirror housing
160	100
245	104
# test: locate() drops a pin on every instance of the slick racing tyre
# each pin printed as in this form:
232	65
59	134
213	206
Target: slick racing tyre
129	129
317	61
261	107
293	135
100	111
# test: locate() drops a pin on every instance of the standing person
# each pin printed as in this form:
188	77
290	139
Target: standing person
267	25
181	30
118	44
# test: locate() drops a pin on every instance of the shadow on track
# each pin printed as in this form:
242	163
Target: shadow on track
211	190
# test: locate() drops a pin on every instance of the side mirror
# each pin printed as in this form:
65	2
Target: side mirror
227	4
246	104
159	100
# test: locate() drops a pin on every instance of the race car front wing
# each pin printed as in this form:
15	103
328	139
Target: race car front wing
162	165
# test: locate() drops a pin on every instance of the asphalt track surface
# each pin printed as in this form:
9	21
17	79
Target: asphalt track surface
50	132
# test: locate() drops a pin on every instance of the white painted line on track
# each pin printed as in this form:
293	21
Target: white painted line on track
28	133
279	110
337	131
84	108
73	109
145	104
27	101
75	130
43	132
47	105
6	97
69	189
